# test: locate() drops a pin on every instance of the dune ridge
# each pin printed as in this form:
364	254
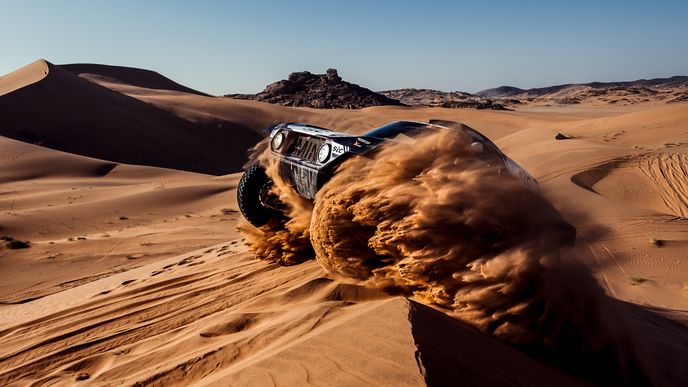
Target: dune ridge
24	76
66	112
129	75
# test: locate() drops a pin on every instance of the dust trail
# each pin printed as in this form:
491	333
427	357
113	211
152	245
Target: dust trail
431	221
286	243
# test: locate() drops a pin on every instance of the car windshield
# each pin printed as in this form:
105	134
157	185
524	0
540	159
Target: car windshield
408	128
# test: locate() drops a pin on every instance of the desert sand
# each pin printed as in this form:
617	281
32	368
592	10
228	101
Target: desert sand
124	184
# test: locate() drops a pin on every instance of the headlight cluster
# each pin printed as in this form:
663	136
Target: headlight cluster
324	153
277	140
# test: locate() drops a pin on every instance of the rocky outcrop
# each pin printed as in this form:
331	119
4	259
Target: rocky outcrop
680	97
436	98
329	91
323	91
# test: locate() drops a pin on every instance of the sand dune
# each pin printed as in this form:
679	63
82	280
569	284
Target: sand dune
89	218
646	129
128	75
137	274
217	316
28	75
66	112
656	181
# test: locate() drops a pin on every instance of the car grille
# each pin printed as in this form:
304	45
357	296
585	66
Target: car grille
306	147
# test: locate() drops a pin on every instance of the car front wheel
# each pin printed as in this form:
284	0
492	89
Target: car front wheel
253	196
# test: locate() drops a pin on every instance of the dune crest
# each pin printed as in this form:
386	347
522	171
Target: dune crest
66	112
128	75
25	76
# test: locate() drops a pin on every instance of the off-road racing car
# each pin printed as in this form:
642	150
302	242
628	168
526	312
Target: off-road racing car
308	156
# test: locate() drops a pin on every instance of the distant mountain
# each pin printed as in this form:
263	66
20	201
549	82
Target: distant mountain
437	98
500	92
324	91
510	91
329	91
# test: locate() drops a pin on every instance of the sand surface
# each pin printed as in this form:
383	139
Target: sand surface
136	272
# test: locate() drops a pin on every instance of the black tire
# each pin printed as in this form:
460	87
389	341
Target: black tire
252	182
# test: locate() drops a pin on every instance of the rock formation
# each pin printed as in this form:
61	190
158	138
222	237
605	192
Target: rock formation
323	91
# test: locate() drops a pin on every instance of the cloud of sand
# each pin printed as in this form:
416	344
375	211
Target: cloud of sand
432	221
286	243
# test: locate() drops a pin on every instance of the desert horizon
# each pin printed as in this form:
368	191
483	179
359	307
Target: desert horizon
352	223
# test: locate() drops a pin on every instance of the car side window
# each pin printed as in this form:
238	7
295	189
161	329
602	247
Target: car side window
391	130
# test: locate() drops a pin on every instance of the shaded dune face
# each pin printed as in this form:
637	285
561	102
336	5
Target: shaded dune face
431	222
66	112
129	75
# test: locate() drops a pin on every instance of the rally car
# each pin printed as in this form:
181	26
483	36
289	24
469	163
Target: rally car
309	155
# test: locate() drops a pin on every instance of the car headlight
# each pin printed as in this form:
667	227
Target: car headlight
277	140
324	153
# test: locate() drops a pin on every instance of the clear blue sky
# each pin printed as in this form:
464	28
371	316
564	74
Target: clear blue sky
241	46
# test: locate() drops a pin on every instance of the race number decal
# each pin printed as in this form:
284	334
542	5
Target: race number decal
338	149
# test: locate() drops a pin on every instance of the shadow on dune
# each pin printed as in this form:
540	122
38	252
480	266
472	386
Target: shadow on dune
66	112
130	75
453	353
